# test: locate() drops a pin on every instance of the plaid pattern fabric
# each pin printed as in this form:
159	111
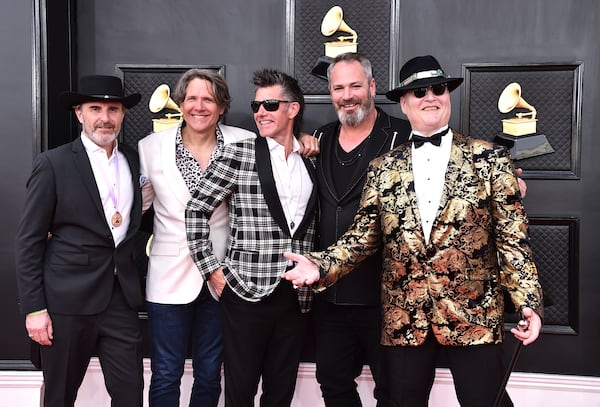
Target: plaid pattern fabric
254	261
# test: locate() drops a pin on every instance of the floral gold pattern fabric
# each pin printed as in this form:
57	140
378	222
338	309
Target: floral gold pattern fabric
478	244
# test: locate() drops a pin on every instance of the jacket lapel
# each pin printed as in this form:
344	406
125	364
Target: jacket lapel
311	206
267	182
136	207
455	167
403	161
452	187
84	167
177	184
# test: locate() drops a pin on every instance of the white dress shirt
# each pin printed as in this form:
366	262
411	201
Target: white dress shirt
293	183
429	169
105	173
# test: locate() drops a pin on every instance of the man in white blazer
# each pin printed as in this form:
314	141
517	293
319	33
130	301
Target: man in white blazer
168	250
179	303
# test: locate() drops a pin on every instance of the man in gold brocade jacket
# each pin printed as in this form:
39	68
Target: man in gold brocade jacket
447	211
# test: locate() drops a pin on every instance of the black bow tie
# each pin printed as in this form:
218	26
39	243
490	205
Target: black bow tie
435	139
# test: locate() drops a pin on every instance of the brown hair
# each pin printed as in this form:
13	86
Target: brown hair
220	90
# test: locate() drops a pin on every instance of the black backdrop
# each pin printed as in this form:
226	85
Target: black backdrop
246	36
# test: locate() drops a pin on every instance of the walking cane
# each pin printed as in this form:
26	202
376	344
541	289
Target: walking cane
522	325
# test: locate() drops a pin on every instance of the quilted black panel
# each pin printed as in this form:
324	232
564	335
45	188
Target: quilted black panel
549	88
371	20
555	248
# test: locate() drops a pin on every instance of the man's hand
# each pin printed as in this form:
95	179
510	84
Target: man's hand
309	145
217	281
39	328
529	327
304	273
522	184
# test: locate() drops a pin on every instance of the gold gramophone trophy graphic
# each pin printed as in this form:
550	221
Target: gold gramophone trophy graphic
160	100
519	132
332	23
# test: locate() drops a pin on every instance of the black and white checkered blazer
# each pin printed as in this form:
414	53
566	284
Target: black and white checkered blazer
259	234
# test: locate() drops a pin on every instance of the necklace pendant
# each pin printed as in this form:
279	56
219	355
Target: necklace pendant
292	225
116	219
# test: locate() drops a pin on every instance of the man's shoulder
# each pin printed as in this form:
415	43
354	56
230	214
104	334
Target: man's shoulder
241	150
158	136
474	142
63	149
233	134
244	143
326	129
481	149
397	124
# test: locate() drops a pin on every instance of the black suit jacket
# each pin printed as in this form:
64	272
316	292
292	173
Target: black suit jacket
338	208
73	272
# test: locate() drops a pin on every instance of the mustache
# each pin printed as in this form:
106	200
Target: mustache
351	101
105	125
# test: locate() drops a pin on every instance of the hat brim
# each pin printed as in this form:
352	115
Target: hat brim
71	99
395	94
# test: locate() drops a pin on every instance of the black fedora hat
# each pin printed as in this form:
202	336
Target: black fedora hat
99	87
420	72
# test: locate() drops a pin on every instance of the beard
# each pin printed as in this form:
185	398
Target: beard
101	138
353	119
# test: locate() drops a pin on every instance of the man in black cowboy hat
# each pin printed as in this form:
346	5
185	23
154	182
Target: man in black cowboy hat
447	211
78	286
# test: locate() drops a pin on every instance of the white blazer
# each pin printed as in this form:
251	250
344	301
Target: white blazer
172	274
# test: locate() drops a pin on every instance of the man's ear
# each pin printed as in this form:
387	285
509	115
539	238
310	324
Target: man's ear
78	113
402	102
293	109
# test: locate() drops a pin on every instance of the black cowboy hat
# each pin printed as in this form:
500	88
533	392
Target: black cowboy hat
99	87
421	72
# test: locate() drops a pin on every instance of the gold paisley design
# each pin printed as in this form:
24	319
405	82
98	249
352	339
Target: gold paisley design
479	243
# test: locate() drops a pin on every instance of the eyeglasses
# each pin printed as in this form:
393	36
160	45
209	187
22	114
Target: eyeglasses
437	90
270	105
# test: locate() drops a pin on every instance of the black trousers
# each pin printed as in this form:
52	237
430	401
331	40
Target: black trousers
115	335
346	338
477	371
261	339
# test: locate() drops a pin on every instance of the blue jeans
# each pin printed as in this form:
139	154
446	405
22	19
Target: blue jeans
170	329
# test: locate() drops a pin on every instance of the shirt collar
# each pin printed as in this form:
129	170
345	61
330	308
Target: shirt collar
437	131
275	146
179	138
92	147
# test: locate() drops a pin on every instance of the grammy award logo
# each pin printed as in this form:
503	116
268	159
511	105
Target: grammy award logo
332	23
519	132
160	100
520	125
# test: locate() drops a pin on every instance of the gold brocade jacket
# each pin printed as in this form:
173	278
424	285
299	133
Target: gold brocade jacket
479	242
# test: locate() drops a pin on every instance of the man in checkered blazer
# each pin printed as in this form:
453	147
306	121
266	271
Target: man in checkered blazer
272	200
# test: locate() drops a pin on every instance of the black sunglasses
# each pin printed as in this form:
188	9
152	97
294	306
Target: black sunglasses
270	105
437	90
